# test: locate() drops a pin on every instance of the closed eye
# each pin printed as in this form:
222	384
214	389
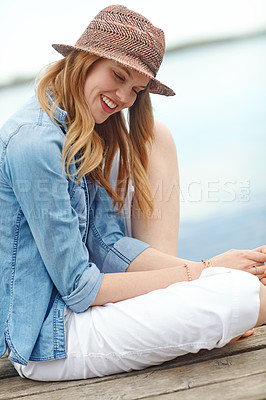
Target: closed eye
121	78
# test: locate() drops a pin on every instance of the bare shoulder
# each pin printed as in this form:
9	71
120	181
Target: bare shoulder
163	135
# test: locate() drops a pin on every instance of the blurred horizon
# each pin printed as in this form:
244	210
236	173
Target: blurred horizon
30	27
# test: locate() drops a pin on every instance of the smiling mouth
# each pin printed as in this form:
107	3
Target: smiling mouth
108	102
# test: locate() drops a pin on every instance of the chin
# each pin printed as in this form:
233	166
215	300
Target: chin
101	120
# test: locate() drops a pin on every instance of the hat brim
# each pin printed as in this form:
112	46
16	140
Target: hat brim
155	87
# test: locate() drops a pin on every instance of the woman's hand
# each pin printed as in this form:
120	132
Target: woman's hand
251	261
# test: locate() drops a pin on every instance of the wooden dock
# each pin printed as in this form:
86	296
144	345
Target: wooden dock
235	372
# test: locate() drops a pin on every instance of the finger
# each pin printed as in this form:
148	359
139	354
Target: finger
261	249
258	270
259	264
257	255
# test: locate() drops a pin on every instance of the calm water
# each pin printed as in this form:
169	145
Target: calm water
218	119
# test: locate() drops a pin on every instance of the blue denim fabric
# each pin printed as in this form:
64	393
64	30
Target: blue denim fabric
57	237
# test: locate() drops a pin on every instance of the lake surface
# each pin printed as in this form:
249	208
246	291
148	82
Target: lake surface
218	120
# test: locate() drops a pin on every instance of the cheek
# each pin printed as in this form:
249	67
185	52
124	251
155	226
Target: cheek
86	92
132	101
89	92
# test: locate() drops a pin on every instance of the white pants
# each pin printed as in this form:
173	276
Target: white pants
153	328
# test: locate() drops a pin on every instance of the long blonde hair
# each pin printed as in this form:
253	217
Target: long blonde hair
93	146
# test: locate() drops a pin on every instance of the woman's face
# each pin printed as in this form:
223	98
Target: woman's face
110	87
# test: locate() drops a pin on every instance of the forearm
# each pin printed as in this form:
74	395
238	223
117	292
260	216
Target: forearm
120	286
153	270
152	259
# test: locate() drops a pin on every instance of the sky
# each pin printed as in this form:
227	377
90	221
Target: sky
29	27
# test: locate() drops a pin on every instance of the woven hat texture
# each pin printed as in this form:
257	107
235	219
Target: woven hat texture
127	37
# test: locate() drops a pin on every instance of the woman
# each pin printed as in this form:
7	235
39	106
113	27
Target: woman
71	174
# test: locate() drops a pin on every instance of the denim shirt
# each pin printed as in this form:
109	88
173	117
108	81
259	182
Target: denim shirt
57	237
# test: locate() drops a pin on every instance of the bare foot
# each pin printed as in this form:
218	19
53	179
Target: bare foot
246	334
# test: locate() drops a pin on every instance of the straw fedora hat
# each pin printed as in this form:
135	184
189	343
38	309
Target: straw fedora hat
127	37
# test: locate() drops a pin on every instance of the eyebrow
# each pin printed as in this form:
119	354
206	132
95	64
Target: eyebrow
130	75
126	70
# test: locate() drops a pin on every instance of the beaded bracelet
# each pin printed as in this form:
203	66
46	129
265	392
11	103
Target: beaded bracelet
206	263
189	277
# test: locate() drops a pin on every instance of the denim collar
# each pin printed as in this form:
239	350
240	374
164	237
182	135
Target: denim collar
60	114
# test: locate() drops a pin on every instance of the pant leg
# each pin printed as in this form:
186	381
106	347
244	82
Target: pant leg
156	327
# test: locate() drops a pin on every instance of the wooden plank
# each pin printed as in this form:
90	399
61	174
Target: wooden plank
6	369
143	385
255	342
24	387
252	387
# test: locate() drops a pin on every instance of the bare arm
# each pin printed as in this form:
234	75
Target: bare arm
152	259
161	229
122	286
151	270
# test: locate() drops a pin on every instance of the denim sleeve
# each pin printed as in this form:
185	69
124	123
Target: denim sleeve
33	169
109	248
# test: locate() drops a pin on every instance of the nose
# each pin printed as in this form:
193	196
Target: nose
124	94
